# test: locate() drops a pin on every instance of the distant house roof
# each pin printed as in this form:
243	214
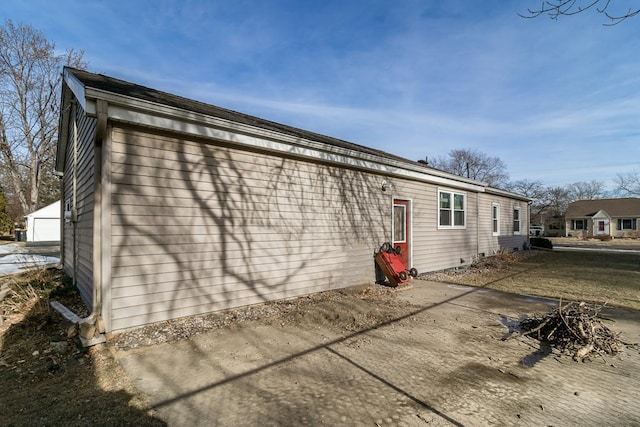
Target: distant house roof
625	207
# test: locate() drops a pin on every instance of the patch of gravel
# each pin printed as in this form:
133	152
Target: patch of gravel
346	309
491	264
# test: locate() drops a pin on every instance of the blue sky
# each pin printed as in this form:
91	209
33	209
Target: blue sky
557	101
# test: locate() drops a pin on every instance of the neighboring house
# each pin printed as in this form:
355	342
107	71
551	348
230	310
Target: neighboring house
43	225
603	217
177	208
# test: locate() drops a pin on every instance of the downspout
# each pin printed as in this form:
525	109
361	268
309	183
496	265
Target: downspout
91	329
477	226
61	213
74	195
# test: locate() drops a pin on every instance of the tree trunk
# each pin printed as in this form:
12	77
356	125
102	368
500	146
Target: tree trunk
11	169
34	181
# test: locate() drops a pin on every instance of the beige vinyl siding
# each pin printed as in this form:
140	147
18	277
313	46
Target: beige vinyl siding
506	239
197	227
438	249
82	259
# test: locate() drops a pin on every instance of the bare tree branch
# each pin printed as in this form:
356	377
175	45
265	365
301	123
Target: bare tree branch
557	8
628	184
474	165
584	190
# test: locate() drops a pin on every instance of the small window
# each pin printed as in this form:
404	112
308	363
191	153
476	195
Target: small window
516	220
578	224
399	215
451	209
445	209
627	224
458	210
495	219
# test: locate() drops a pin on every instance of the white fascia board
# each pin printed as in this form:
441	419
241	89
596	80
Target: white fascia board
77	88
136	111
498	192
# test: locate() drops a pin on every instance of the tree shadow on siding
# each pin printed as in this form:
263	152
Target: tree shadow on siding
205	227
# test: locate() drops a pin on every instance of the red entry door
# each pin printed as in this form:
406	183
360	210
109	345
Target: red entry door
401	229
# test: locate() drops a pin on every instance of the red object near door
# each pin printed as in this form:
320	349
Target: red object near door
391	265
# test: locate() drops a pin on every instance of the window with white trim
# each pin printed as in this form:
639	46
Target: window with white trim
495	219
516	220
451	209
627	224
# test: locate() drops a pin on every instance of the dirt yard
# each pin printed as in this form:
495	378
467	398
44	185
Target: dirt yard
427	354
430	354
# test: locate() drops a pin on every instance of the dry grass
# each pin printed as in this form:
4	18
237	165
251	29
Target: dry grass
611	278
575	241
42	385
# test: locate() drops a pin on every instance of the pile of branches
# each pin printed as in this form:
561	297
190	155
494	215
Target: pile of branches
574	328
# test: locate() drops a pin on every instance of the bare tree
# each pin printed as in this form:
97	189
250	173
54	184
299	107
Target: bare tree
475	165
557	8
537	192
628	184
6	222
30	76
584	190
557	200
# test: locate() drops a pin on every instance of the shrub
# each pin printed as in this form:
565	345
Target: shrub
541	242
604	237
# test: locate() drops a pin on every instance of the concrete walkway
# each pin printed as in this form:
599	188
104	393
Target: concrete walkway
444	363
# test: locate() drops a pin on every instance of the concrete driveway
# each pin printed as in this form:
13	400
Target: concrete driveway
443	363
16	257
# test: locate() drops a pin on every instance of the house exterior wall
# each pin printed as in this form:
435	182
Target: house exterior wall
617	232
571	231
438	249
78	239
506	239
198	227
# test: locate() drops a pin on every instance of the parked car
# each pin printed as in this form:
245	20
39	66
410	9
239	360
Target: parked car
536	230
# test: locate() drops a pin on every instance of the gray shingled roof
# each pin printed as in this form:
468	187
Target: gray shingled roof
624	207
113	85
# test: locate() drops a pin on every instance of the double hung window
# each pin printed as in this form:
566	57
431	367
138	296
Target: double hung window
451	209
495	219
516	220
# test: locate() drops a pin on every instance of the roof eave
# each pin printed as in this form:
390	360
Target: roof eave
499	192
133	110
72	90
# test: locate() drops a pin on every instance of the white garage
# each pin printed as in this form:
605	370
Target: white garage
43	225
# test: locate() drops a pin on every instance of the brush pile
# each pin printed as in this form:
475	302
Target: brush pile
574	328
